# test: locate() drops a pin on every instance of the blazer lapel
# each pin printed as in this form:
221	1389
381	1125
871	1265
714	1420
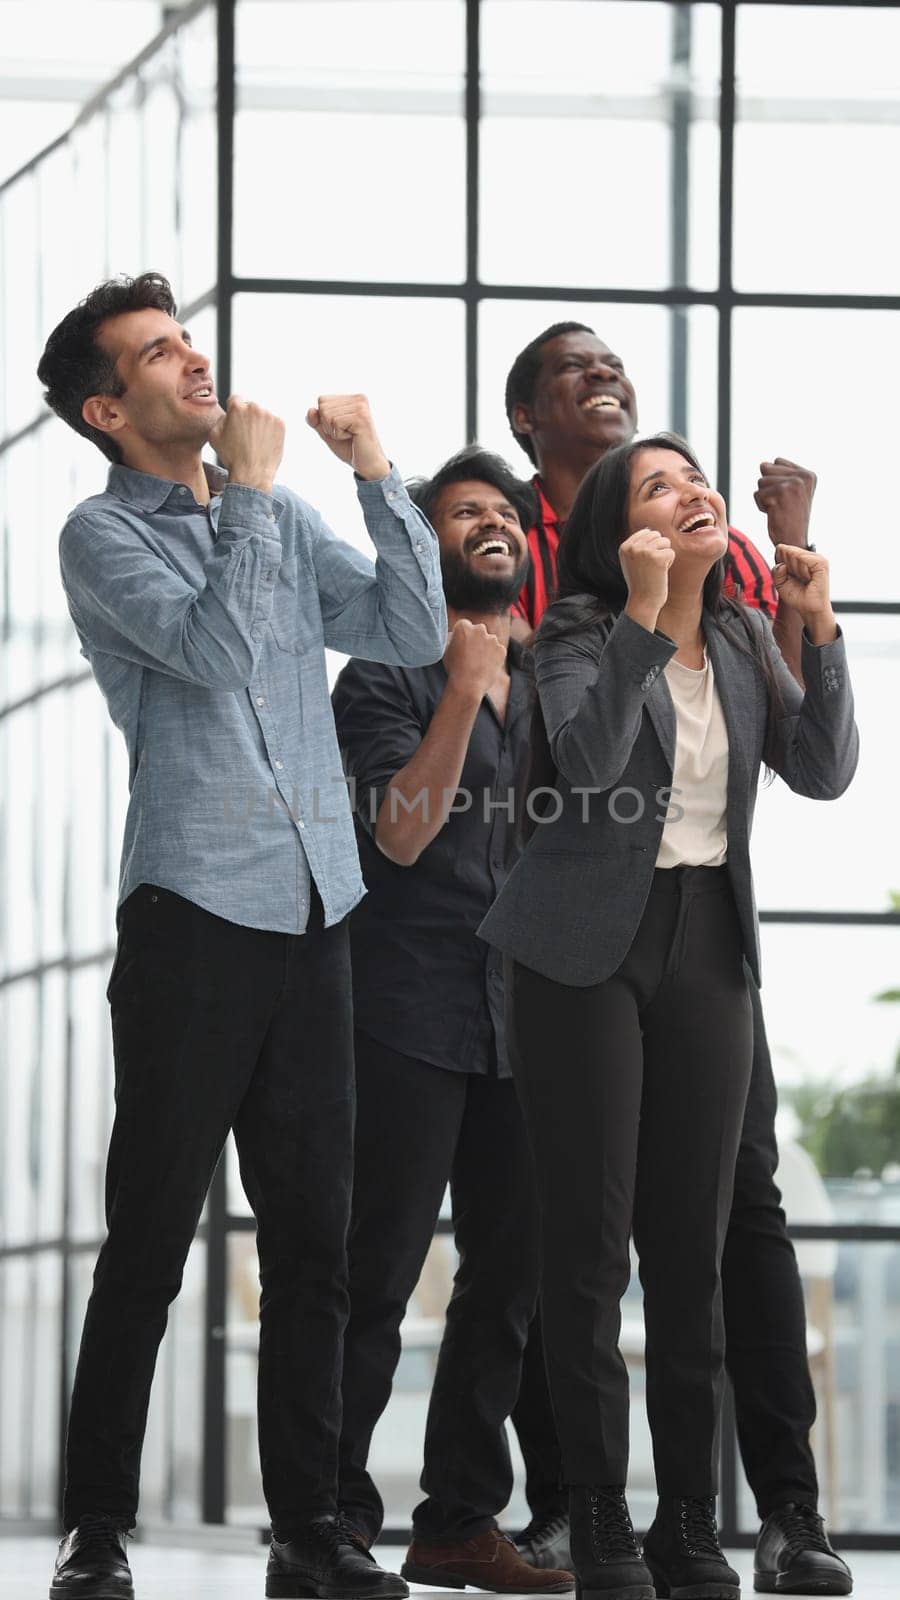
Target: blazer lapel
737	684
661	712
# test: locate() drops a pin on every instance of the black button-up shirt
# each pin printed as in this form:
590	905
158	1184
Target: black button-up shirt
423	982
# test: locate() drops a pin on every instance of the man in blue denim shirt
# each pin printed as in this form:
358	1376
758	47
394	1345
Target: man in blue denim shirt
204	604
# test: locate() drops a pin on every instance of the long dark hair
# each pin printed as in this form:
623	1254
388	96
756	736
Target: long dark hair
590	577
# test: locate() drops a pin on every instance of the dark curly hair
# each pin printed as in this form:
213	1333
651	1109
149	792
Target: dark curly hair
476	463
73	365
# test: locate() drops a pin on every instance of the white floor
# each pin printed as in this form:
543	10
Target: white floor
25	1566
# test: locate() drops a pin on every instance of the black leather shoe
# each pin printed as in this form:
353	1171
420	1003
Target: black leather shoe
794	1556
325	1559
545	1542
682	1551
606	1556
92	1562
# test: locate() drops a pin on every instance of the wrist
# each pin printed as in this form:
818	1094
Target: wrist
372	470
643	612
251	479
822	628
467	697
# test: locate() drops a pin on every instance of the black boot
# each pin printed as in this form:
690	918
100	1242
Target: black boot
605	1553
545	1542
92	1562
682	1551
794	1556
325	1558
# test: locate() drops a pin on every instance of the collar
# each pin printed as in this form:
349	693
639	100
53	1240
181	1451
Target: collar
548	515
148	492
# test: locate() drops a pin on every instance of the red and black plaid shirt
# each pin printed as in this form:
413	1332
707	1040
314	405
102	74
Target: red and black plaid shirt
747	576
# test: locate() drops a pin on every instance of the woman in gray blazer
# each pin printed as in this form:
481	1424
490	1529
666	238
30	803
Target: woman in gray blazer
625	926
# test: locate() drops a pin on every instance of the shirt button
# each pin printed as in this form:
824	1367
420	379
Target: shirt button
270	516
260	701
392	494
279	765
300	823
184	491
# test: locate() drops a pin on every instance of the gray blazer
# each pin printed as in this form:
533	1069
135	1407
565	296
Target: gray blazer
571	906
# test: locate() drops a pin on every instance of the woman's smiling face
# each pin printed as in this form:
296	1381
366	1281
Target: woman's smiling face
669	494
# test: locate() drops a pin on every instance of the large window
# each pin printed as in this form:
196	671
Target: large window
395	196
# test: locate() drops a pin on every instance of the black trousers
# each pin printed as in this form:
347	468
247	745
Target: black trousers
217	1026
633	1092
765	1330
418	1127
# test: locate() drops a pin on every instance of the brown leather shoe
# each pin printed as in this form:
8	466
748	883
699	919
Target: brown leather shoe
491	1561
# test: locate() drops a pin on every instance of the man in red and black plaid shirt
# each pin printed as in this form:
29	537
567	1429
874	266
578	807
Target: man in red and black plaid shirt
569	401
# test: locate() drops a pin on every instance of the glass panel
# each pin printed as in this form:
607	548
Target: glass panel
564	86
160	118
20	393
21	471
790	397
55	178
16	1336
19	734
90	913
90	261
92	1099
816	142
127	247
405	354
21	1107
42	1383
834	1046
318	85
856	835
195	47
48	1135
852	1293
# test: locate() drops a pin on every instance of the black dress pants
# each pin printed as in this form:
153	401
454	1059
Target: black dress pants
217	1026
633	1092
765	1330
418	1127
765	1314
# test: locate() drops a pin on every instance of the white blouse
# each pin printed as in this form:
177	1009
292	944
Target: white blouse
694	833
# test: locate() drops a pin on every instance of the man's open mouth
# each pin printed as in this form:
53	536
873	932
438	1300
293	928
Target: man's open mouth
601	402
496	545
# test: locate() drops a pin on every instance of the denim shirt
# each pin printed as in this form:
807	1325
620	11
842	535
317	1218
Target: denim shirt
206	627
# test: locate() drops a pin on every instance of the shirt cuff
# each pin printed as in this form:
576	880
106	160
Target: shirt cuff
245	511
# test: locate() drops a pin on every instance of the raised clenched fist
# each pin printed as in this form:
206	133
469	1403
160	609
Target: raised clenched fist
344	422
249	442
474	658
784	494
645	558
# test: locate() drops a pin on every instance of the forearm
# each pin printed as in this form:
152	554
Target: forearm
129	602
816	748
393	612
788	630
419	797
593	711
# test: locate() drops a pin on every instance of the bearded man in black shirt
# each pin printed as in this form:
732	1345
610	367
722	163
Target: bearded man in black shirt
433	756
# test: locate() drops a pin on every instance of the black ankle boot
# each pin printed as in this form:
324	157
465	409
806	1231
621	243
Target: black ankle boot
682	1551
605	1553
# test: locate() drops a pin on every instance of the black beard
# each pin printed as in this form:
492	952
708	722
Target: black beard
466	590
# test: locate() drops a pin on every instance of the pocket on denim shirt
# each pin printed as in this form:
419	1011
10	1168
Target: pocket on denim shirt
296	619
